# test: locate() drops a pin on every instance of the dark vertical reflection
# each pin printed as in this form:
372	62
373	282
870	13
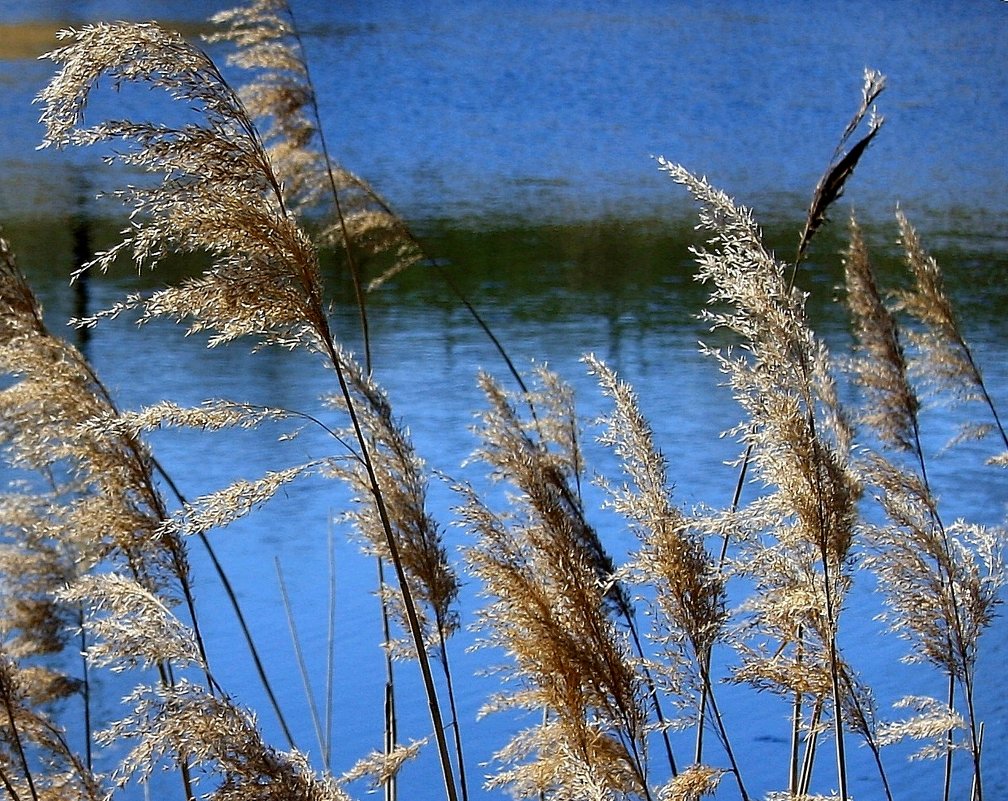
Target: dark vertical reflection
80	232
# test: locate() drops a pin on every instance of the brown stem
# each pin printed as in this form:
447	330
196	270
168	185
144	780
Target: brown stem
409	605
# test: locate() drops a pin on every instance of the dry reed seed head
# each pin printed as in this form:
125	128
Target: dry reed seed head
279	96
881	367
106	504
236	500
672	556
221	742
218	192
943	357
130	625
692	784
32	566
539	457
788	796
942	583
931	725
927	300
282	99
548	611
547	760
57	773
379	767
126	52
800	436
211	415
831	185
403	480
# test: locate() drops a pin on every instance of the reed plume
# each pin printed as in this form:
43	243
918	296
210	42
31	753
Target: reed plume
108	513
403	479
140	554
945	358
36	761
689	584
434	582
243	177
281	95
553	605
941	583
220	195
800	442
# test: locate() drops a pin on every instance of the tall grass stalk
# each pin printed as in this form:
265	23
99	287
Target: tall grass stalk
926	564
287	305
800	439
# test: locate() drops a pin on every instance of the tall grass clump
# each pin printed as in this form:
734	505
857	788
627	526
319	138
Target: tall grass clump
218	194
611	666
941	581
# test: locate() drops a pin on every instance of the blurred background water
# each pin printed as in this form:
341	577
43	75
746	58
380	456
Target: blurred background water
517	139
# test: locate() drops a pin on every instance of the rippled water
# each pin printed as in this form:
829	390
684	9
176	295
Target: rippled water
518	138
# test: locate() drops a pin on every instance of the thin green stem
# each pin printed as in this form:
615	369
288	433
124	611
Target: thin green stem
302	666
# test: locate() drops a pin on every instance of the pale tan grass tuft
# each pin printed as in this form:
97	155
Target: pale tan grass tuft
799	440
930	725
218	192
672	555
131	627
880	365
280	94
941	583
235	501
402	477
946	361
551	606
35	759
379	768
220	738
694	783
